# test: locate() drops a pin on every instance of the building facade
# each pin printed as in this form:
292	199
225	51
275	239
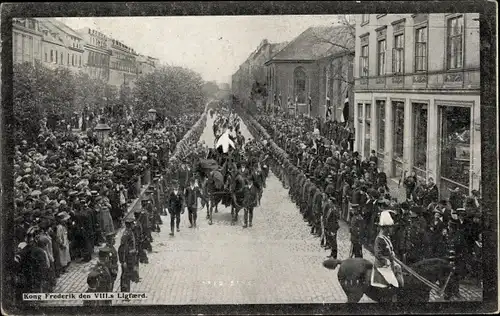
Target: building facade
253	73
417	96
122	64
146	64
311	73
61	46
27	40
96	56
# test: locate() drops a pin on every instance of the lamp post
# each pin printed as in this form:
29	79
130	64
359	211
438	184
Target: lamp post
152	116
102	129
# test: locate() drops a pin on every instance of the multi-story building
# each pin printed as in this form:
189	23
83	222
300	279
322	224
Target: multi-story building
253	72
122	64
27	40
146	64
96	54
311	70
417	96
61	45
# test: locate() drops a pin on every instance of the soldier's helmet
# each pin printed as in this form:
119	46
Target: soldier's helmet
129	221
104	253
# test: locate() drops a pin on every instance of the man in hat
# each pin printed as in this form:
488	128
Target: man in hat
411	234
357	223
431	192
175	207
251	196
331	225
237	191
193	194
127	254
62	240
386	271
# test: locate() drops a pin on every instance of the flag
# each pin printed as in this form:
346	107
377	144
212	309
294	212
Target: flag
345	112
224	142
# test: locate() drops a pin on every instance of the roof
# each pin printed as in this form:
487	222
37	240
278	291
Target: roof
57	39
63	27
317	42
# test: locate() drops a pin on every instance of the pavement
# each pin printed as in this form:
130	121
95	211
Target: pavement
275	261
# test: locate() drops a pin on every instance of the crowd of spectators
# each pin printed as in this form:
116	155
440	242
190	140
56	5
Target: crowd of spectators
68	196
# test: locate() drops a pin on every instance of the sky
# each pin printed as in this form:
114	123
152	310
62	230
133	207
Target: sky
213	46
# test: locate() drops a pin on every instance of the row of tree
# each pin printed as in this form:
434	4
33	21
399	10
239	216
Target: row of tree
40	92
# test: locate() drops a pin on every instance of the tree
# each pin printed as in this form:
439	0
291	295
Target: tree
170	91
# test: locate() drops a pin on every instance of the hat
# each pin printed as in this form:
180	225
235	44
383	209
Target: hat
110	234
385	219
63	216
129	220
461	210
104	252
94	193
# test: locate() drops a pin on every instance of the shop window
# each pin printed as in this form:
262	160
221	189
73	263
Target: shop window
455	145
381	126
420	138
398	112
367	130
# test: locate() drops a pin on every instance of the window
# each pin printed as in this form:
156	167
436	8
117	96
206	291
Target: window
365	18
420	136
51	56
72	59
300	85
381	47
363	61
62	58
421	49
79	61
56	56
455	38
398	54
367	129
455	145
381	125
398	128
46	58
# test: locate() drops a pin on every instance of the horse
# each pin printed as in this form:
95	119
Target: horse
354	275
218	192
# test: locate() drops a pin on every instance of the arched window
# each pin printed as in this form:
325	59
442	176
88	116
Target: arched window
299	87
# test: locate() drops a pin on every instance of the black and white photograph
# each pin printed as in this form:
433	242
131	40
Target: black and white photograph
217	157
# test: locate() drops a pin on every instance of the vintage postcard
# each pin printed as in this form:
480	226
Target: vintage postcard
249	157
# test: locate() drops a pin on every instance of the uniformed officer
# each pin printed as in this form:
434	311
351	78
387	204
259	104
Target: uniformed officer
113	257
331	226
315	215
357	223
99	278
139	235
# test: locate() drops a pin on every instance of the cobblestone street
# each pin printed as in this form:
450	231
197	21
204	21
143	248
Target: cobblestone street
275	261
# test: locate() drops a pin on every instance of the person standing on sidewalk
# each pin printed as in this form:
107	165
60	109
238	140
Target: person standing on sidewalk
127	254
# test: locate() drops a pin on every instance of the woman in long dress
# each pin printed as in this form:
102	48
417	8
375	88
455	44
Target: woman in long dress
62	240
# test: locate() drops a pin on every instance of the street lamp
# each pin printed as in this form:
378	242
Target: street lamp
102	129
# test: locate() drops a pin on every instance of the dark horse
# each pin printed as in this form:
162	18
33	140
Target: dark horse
354	276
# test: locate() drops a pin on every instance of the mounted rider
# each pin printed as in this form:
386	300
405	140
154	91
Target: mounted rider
386	271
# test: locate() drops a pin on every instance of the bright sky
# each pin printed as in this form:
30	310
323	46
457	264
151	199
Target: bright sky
213	46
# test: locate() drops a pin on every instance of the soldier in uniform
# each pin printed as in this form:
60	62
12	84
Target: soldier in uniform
316	213
237	190
141	231
99	278
357	223
113	255
127	254
258	181
331	226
